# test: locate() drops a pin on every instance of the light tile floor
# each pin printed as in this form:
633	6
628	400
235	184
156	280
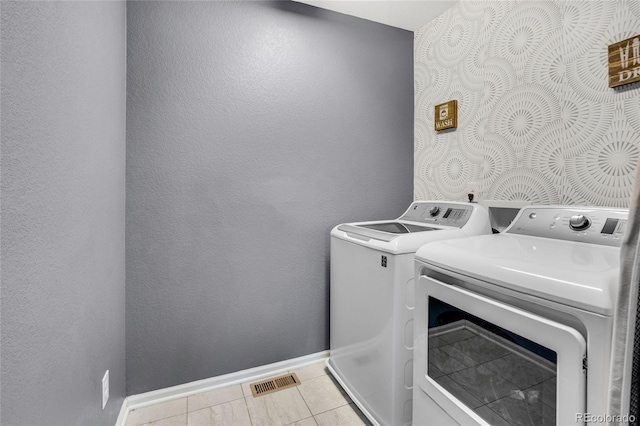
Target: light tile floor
318	400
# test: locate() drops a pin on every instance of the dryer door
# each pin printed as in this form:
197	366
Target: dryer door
487	363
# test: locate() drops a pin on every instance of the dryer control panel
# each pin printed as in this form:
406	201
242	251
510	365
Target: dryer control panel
594	225
447	213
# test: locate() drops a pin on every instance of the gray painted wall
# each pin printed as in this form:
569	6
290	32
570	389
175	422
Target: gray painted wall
63	194
252	129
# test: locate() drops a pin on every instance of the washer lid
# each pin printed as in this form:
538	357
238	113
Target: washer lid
383	231
397	227
576	274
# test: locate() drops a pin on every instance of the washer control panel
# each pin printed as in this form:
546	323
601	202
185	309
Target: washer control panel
442	213
595	225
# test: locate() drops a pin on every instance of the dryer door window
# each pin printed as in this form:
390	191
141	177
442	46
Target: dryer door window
494	371
498	364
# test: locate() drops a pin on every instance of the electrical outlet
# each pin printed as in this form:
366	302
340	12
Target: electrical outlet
105	389
472	191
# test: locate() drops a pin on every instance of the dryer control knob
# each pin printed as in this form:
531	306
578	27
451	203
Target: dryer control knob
579	222
433	211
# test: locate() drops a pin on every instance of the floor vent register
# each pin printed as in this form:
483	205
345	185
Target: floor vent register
274	384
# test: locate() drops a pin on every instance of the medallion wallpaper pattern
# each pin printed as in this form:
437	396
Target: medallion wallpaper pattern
537	120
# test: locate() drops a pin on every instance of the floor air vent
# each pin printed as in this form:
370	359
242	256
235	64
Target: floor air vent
274	384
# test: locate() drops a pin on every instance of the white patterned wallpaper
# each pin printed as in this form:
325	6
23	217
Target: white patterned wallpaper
536	118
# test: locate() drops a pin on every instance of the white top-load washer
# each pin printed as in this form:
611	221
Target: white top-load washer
516	328
372	292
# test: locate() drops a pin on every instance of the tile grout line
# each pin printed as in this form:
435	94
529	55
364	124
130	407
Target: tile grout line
215	405
248	412
335	408
155	420
305	402
326	411
209	407
246	407
244	398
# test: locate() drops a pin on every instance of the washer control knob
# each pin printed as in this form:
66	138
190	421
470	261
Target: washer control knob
579	222
433	211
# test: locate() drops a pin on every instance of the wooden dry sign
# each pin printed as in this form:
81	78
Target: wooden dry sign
624	62
446	115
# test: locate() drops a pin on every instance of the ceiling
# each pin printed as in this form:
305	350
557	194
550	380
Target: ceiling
406	14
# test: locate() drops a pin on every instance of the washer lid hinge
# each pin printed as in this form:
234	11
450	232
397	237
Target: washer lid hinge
585	364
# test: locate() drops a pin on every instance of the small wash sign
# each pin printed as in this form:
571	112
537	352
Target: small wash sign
446	116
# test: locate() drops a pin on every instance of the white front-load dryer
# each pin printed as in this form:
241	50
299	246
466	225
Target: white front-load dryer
516	328
372	300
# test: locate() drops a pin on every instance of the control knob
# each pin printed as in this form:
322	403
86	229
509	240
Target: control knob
433	211
579	222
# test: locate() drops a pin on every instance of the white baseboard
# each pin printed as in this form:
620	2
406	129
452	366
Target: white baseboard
124	413
180	391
